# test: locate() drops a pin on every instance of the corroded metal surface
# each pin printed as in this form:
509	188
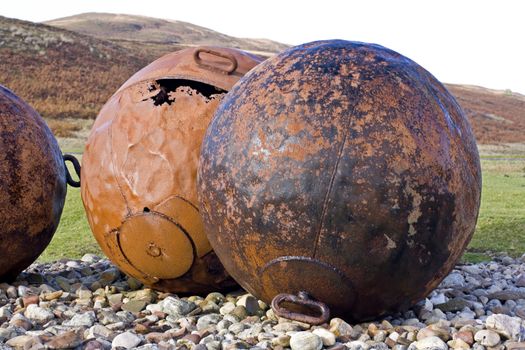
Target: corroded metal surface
341	169
140	165
32	185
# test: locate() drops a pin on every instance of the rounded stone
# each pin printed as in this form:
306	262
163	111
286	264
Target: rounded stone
126	340
305	341
487	338
430	343
327	337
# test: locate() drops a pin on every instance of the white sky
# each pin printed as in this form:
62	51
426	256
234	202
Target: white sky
480	42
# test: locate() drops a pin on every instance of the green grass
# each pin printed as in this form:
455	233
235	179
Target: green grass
500	228
501	223
73	237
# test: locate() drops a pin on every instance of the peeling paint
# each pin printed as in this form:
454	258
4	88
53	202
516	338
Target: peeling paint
140	166
32	186
357	180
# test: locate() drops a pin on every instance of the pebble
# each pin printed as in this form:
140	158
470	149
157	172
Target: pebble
68	304
38	314
66	340
250	304
458	344
126	340
340	328
305	341
134	305
510	327
177	307
453	280
21	342
204	322
327	337
487	338
434	343
86	319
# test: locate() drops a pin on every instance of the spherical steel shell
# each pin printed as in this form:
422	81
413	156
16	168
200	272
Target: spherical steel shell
342	169
32	185
140	165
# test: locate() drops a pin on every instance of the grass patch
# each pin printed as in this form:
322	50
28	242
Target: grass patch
500	228
73	237
474	258
501	222
63	128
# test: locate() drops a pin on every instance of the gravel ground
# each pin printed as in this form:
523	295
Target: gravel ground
89	304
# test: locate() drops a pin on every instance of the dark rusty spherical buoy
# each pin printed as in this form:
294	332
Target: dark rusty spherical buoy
140	166
32	185
340	169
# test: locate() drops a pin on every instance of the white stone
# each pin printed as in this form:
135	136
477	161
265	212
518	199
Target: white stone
177	307
454	280
227	308
357	345
327	337
87	319
207	320
90	258
487	337
98	331
507	326
154	308
126	340
305	341
439	298
430	343
38	314
458	344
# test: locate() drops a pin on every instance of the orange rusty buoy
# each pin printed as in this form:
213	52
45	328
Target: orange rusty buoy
140	166
32	185
343	171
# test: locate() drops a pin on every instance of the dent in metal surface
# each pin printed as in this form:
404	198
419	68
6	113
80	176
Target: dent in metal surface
32	185
140	165
339	168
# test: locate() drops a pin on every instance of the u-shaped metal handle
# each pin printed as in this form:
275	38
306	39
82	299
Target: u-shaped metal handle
302	299
76	165
210	65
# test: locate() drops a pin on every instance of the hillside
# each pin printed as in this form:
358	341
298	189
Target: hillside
68	76
155	30
62	73
496	116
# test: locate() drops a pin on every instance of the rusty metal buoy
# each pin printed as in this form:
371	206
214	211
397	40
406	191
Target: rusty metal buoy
343	170
32	184
140	166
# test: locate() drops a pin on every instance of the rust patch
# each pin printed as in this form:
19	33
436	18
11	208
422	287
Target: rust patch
350	156
140	166
32	186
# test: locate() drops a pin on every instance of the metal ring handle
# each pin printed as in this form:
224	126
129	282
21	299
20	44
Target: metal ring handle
301	299
76	165
228	70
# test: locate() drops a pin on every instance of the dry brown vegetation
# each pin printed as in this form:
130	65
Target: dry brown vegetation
60	73
156	30
64	74
63	128
496	116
